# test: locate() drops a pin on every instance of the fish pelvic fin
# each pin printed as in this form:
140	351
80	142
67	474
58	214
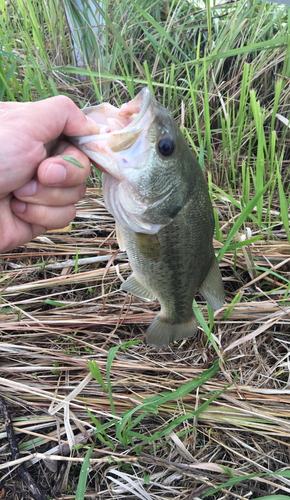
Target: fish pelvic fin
134	286
212	287
120	240
161	332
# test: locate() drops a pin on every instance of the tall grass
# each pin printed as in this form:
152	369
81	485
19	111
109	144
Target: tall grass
222	63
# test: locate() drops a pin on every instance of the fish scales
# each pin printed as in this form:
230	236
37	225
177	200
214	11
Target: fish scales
158	195
181	267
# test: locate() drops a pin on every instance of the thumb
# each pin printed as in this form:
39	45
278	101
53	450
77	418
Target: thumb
60	115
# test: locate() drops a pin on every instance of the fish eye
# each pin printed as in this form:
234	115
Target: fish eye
166	146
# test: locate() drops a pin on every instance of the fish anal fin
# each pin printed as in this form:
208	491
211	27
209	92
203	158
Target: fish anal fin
161	332
149	246
120	239
212	287
134	286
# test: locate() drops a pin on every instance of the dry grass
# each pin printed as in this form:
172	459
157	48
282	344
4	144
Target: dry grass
47	384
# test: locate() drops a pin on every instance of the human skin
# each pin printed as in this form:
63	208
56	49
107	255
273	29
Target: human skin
38	188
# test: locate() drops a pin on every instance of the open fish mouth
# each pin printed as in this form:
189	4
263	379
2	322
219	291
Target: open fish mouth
134	181
119	130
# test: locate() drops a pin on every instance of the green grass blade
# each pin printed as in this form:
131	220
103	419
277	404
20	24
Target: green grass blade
273	497
239	479
208	15
81	489
205	327
100	430
152	404
54	303
160	30
240	244
111	354
230	308
10	56
283	205
278	42
192	385
260	170
182	418
148	76
241	219
72	160
207	118
95	371
275	107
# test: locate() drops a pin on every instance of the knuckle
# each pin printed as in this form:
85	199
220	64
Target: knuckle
60	217
63	100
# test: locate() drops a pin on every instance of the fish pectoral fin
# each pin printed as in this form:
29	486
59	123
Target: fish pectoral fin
120	239
149	246
134	286
212	287
161	332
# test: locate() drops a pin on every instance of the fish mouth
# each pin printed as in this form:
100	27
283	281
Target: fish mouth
125	151
139	107
120	129
115	123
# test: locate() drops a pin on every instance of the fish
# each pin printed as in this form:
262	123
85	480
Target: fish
155	188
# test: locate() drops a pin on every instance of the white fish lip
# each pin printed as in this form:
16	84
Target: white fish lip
146	98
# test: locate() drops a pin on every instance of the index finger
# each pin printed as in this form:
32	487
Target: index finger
46	120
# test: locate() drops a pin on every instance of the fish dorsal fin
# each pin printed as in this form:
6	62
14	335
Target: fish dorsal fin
149	246
212	287
120	239
134	286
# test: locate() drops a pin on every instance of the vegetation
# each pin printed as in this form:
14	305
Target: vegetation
207	417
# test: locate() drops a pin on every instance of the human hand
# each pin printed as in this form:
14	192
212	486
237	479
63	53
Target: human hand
37	192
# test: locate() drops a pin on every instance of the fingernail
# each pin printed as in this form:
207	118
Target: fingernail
55	174
93	124
18	206
28	189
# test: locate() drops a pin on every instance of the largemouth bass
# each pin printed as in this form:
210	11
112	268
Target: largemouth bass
156	191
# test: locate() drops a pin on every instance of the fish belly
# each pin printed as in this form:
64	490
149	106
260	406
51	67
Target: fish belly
172	264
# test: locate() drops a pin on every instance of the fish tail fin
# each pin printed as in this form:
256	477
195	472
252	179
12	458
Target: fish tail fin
161	332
